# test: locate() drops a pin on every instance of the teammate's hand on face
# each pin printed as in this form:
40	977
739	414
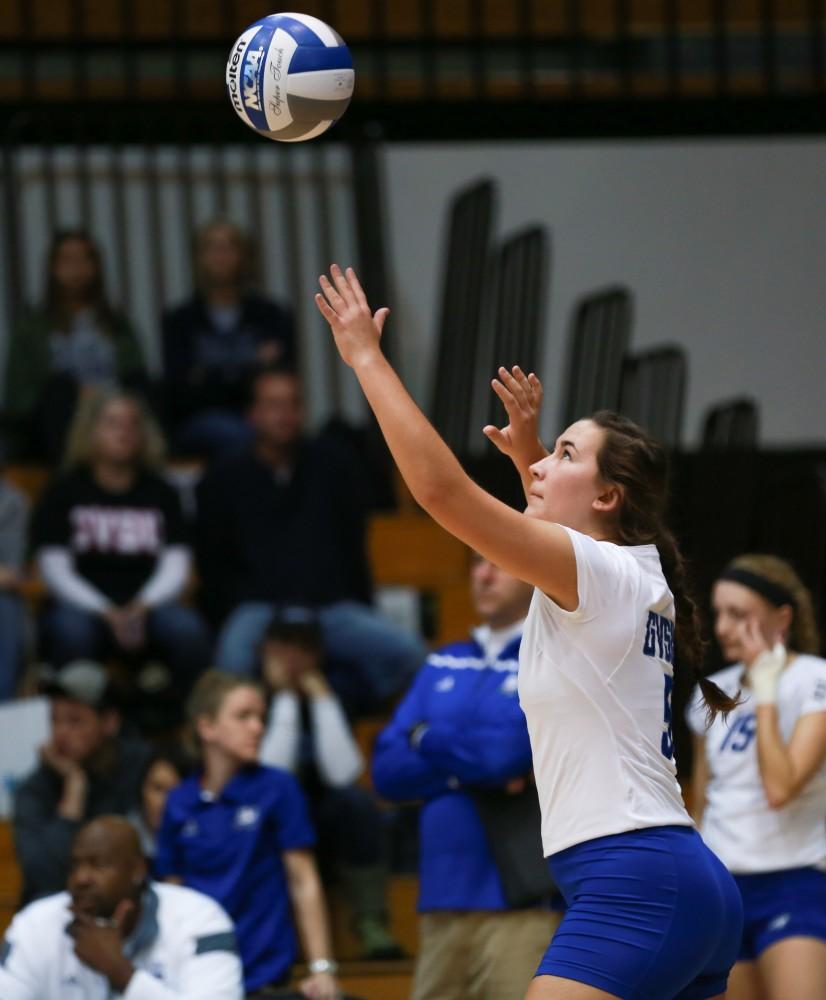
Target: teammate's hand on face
752	640
521	396
356	330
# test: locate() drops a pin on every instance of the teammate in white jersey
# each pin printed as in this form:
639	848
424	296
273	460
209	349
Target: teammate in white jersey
760	777
652	913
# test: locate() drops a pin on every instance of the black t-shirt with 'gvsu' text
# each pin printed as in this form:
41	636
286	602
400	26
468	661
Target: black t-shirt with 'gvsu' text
115	538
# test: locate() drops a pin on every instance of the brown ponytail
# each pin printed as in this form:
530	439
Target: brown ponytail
630	458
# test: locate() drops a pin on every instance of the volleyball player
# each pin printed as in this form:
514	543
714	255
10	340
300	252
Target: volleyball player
760	777
652	914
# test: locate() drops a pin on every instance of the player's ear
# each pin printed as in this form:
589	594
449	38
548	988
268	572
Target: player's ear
785	617
609	499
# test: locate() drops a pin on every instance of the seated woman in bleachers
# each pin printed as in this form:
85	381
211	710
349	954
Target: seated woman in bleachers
240	833
72	342
111	546
164	770
308	734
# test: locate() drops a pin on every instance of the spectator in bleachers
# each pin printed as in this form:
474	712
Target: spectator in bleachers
115	933
14	519
86	769
164	770
112	549
460	729
73	342
213	342
308	734
283	523
240	832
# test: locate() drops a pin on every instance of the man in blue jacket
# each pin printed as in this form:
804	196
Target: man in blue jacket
460	727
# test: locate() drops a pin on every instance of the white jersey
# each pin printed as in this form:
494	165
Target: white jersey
738	824
595	685
183	949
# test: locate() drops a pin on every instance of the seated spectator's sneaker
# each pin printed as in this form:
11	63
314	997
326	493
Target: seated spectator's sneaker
376	940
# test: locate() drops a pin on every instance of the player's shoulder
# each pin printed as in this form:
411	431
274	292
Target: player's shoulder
807	665
805	672
268	784
461	655
187	909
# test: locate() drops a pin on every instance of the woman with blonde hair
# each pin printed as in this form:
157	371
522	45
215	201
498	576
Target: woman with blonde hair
760	777
111	547
240	833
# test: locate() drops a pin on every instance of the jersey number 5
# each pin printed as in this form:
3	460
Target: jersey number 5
667	742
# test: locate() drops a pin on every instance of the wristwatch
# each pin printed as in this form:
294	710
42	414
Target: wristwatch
318	965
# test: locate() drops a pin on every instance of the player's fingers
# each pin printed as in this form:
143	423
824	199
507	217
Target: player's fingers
380	316
331	294
516	388
344	289
355	285
523	381
508	400
536	385
495	436
326	309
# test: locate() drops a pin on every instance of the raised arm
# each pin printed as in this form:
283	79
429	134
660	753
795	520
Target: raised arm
538	552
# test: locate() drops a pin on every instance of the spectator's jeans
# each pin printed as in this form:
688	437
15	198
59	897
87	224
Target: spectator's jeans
12	630
175	634
385	656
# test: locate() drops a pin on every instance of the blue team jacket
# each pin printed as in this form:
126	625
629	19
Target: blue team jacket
476	736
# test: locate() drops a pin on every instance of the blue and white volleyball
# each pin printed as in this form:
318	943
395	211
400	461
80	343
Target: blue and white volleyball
290	77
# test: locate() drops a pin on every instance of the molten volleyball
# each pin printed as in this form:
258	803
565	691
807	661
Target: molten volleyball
290	77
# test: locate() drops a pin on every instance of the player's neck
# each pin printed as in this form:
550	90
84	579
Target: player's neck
219	769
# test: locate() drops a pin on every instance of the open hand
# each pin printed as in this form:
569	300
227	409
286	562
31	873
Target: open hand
356	330
521	396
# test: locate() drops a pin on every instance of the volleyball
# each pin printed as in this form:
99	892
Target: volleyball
290	77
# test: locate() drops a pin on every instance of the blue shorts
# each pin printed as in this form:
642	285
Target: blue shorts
652	915
777	905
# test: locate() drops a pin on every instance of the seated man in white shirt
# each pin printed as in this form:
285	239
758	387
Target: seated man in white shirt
114	932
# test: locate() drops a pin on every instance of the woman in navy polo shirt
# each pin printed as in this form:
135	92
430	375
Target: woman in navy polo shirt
240	833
